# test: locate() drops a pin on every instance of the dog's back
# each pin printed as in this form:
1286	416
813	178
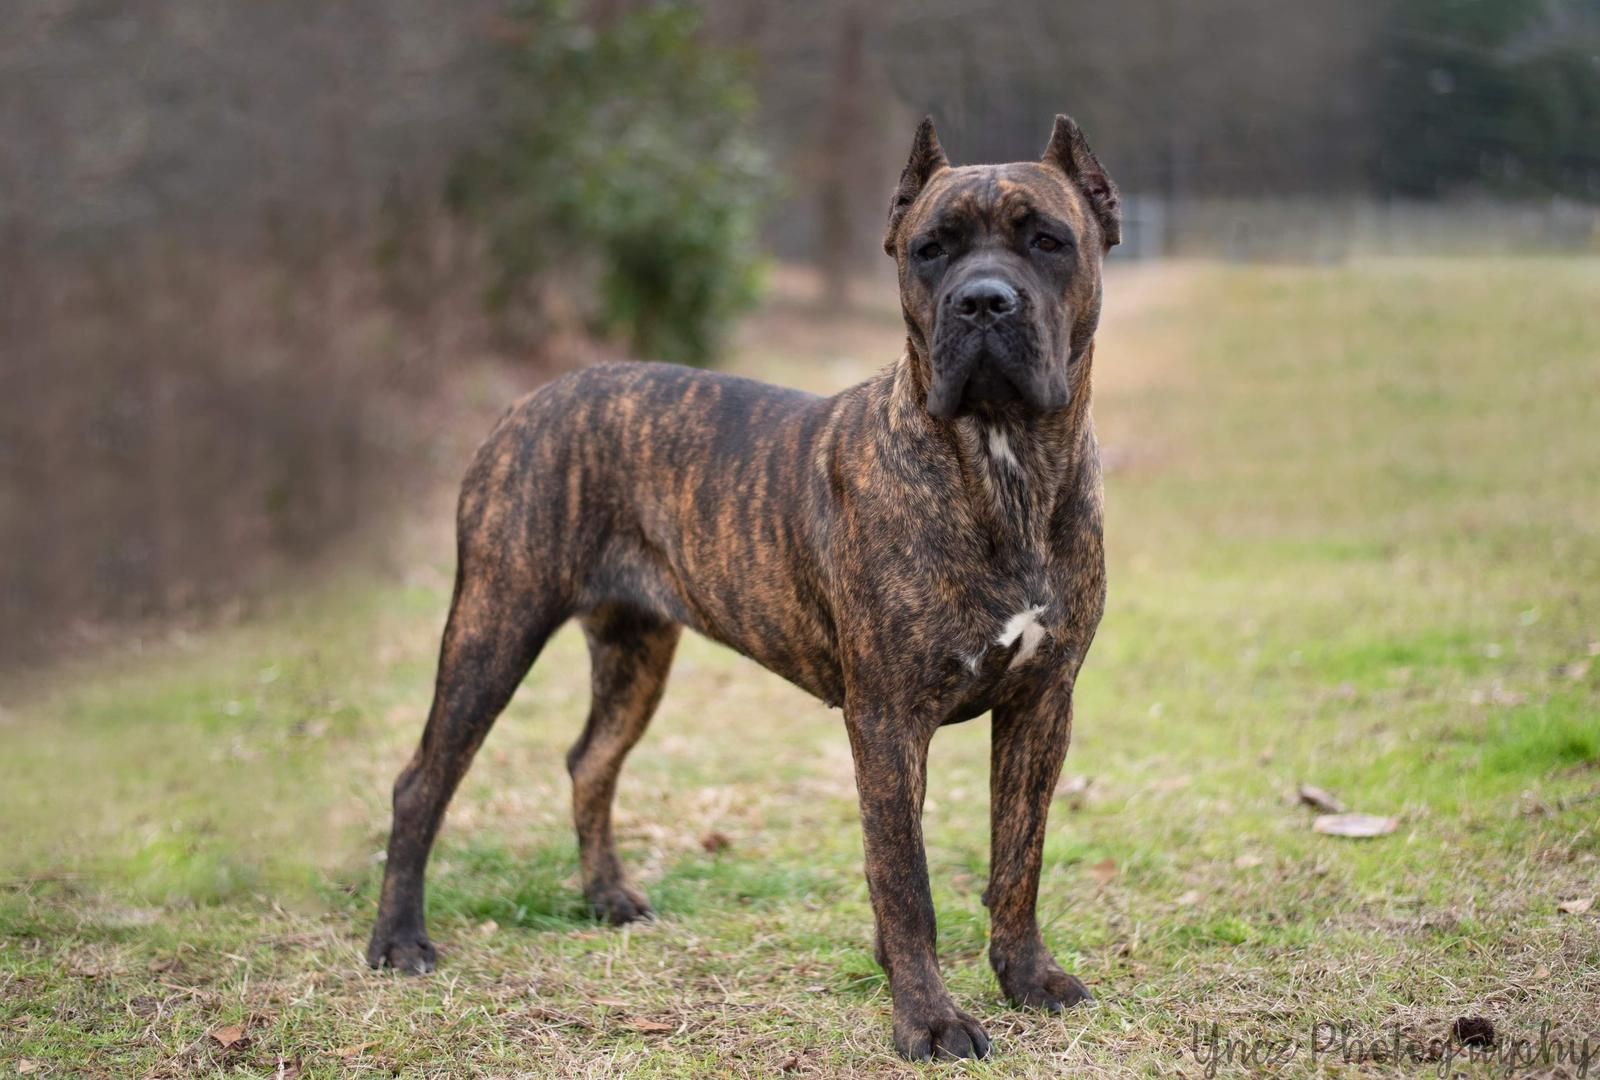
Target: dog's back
700	497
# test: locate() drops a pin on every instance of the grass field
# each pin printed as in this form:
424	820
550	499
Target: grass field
1354	541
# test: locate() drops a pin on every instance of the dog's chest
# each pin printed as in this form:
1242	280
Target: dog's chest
996	653
1015	642
1007	627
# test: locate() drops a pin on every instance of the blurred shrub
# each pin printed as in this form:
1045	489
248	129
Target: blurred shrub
624	161
208	387
189	417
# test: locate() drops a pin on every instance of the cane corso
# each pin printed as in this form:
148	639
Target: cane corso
917	550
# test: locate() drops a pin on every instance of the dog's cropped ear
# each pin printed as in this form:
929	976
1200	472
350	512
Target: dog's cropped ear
1069	151
927	158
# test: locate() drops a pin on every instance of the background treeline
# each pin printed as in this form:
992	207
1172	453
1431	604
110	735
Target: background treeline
242	245
1293	102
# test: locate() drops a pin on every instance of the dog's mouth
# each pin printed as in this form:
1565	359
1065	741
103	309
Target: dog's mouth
978	374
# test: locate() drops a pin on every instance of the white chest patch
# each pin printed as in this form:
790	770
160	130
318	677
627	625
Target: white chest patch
1000	449
1024	627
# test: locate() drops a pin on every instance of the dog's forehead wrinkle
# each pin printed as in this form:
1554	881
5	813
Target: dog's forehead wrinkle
997	196
1052	190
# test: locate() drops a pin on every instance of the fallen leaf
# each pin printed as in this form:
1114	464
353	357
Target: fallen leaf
315	729
1575	907
817	988
1074	791
1358	826
1104	870
1497	694
610	1003
1190	898
26	1066
1317	799
714	842
354	1051
1541	973
653	1027
228	1037
790	1064
1248	861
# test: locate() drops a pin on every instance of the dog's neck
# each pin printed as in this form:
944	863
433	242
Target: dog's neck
1013	470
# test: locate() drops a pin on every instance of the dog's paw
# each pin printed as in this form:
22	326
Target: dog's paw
410	953
1047	987
942	1034
619	904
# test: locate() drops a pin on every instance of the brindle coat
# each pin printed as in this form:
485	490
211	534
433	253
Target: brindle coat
920	549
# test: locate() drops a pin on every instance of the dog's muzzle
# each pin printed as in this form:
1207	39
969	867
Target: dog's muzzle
986	352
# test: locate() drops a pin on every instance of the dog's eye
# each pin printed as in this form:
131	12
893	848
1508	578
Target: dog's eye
930	250
1046	242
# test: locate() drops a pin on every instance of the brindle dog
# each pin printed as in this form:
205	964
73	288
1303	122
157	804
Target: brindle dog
920	549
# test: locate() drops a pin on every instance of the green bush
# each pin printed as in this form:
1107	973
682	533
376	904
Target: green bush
624	158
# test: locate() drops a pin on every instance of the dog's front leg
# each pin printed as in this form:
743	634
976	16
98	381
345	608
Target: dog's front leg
1029	745
891	758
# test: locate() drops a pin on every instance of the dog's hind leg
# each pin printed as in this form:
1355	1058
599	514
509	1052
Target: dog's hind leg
631	652
494	632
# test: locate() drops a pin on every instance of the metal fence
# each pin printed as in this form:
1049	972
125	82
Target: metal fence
1330	230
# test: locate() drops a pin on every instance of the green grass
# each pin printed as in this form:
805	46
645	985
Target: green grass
1354	539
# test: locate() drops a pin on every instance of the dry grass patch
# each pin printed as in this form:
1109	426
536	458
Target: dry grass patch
1365	558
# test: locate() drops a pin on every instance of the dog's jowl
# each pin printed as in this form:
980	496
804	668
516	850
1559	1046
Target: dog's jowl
918	550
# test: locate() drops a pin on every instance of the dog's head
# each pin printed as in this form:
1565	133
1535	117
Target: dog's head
1000	270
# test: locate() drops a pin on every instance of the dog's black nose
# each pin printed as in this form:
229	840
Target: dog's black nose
985	300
